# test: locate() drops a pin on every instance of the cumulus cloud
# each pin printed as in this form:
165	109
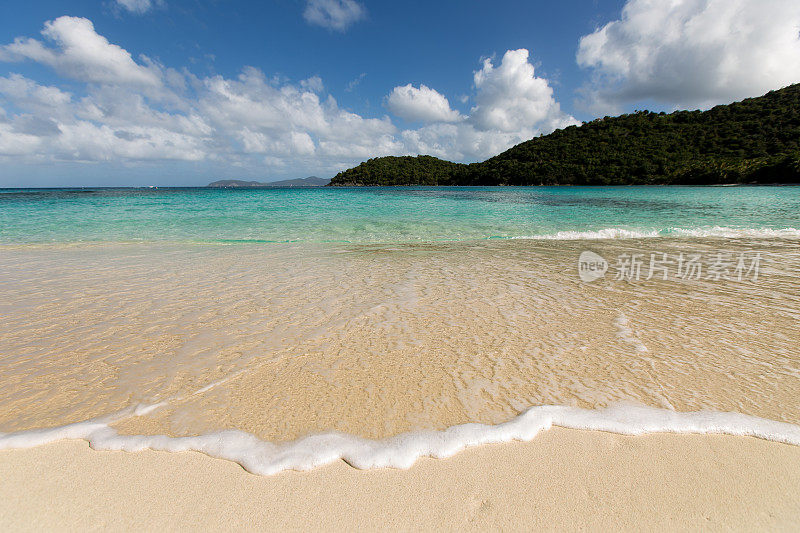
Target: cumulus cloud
511	98
420	104
125	111
143	111
692	53
333	14
28	95
104	126
14	143
512	105
80	53
282	118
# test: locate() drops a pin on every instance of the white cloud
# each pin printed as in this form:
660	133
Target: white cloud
333	14
420	105
314	83
105	126
14	143
129	112
510	97
355	82
29	95
693	53
85	141
137	7
287	119
462	141
81	54
512	105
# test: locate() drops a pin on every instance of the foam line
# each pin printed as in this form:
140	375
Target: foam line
622	233
402	451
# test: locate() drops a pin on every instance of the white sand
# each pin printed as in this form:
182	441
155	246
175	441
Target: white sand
563	479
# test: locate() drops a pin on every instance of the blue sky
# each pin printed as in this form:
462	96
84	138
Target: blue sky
170	92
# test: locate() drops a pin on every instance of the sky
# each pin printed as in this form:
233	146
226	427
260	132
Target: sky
184	92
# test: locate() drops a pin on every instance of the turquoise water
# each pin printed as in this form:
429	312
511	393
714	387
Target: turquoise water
392	215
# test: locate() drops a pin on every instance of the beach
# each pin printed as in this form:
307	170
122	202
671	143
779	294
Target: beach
564	479
403	380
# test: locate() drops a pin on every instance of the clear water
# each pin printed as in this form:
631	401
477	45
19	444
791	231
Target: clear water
390	215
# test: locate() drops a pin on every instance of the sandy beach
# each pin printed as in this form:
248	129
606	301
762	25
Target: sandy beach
301	354
564	479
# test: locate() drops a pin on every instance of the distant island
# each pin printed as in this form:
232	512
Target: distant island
753	141
311	181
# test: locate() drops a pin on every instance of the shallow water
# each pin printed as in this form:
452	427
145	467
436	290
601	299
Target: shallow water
393	214
374	340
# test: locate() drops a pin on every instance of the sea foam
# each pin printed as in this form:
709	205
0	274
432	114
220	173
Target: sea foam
709	232
402	451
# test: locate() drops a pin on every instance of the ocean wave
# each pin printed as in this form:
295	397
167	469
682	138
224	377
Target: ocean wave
370	239
402	451
623	233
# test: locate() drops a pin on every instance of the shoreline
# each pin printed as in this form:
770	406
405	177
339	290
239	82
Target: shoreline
403	450
565	478
611	234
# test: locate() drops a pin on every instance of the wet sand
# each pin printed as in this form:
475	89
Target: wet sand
285	341
374	341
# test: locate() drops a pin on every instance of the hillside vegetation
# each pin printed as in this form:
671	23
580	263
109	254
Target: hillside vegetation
753	141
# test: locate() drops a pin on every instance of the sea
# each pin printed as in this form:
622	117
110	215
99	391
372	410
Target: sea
390	214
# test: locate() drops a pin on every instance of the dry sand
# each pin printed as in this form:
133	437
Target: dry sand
564	479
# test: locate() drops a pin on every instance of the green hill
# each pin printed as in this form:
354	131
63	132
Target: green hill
753	141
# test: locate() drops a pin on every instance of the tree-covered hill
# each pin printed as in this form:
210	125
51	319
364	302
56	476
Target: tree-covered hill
753	141
405	170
